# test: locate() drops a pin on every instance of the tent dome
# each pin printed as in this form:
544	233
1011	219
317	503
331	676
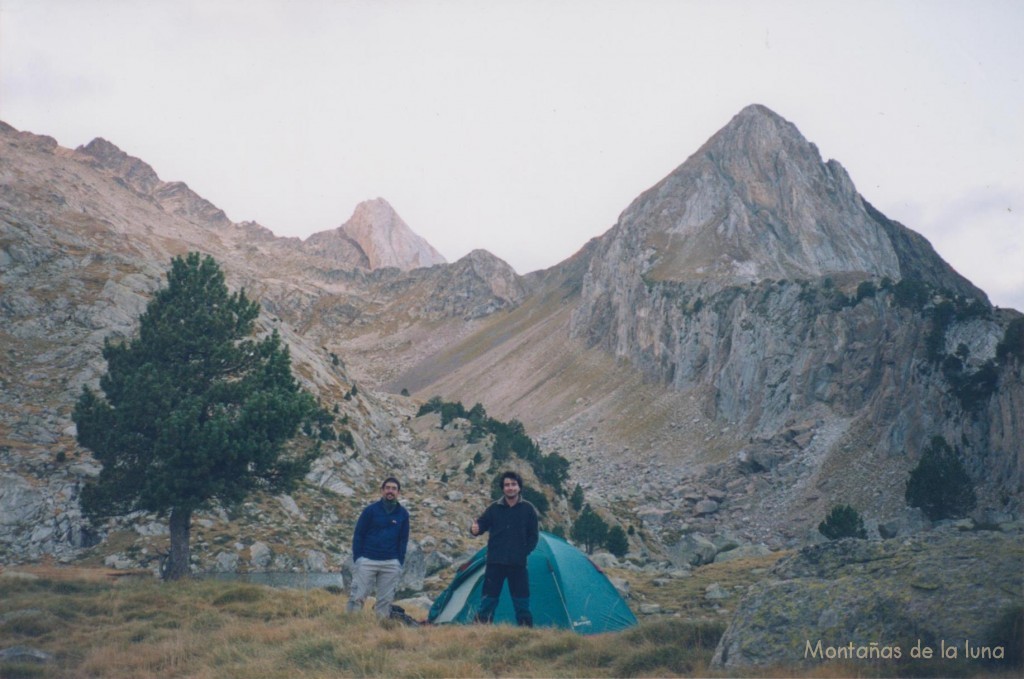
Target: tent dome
566	590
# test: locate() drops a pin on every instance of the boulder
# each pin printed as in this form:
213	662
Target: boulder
908	521
692	550
414	570
715	592
753	461
225	562
260	556
705	507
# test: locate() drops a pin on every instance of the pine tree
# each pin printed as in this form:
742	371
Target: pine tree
589	529
576	499
939	485
843	522
192	409
617	542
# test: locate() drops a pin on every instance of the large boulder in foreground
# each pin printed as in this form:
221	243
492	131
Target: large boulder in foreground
858	601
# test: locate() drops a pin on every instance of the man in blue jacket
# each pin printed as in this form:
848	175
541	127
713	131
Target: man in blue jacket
378	550
512	522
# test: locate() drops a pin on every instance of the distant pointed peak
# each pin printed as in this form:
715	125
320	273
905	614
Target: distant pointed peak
377	211
757	120
758	110
755	202
377	202
760	114
386	239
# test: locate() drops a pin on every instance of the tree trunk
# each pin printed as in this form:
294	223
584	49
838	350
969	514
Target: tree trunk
178	560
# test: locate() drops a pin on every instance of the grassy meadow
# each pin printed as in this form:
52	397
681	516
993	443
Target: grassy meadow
96	626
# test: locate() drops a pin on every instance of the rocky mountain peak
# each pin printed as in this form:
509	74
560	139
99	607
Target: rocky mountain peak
173	197
501	279
386	239
106	156
757	202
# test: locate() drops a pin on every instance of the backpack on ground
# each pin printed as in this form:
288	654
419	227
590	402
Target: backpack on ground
398	613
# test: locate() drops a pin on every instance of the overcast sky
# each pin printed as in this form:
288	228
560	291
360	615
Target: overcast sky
523	127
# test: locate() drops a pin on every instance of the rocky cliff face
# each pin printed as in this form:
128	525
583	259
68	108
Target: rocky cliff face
755	278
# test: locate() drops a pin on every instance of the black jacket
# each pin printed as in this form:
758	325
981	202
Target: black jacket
513	532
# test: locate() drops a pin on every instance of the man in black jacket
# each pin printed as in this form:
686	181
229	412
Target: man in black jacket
512	522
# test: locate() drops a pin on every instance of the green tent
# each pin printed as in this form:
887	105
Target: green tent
566	590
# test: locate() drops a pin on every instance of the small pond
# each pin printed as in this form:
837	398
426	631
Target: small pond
285	580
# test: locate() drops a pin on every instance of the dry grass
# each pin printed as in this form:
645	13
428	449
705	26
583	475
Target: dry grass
98	625
95	625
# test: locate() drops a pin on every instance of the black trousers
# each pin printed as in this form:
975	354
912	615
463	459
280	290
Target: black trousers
518	579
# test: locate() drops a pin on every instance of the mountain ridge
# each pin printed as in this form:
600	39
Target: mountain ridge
756	202
748	387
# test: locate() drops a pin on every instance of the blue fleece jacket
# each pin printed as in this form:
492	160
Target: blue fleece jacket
380	535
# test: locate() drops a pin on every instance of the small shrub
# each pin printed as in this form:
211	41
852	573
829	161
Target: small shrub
866	290
616	542
1012	344
911	294
843	522
939	484
431	406
975	389
451	411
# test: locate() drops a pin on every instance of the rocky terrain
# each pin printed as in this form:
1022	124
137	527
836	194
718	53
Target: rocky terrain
873	602
749	345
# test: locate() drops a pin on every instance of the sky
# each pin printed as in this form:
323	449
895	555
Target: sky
525	128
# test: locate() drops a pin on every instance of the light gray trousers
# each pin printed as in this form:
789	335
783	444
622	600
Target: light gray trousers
380	576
